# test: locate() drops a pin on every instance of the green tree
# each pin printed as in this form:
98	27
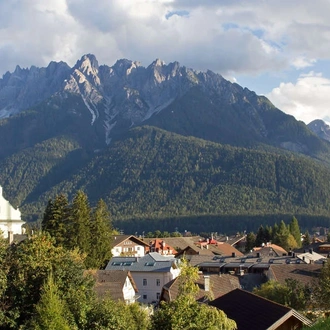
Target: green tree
306	239
292	293
108	314
5	317
283	237
321	288
185	312
30	263
101	233
250	241
268	233
55	220
51	310
80	214
295	231
260	238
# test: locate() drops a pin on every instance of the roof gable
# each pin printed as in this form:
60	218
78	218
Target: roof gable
250	311
119	239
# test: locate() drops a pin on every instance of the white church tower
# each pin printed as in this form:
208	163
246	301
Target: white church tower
10	218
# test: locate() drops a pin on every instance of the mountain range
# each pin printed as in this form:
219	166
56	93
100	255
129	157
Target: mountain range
157	142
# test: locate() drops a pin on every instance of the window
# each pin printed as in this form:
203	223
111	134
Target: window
144	297
138	248
158	282
158	295
145	282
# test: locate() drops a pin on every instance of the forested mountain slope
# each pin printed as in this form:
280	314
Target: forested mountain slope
151	173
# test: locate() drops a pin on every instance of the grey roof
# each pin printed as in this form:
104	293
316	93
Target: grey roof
151	262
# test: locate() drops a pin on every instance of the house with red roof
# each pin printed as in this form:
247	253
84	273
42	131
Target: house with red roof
159	245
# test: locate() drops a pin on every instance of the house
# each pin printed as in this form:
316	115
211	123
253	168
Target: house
271	250
209	247
303	273
149	272
209	286
118	284
160	246
10	219
311	257
128	246
250	311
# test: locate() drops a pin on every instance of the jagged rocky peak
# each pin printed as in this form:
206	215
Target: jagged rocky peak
157	62
88	64
320	128
125	66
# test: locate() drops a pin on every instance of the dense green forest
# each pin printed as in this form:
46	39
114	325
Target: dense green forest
152	179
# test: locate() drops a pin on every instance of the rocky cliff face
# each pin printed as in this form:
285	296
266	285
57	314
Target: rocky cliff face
172	97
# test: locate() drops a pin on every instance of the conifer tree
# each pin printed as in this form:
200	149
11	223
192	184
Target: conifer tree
101	232
250	241
295	231
51	309
260	238
55	220
284	238
306	239
80	213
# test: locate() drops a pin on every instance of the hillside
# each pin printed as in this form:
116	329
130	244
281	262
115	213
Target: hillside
151	173
156	143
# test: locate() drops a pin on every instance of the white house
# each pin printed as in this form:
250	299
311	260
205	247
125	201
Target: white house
150	273
128	246
10	218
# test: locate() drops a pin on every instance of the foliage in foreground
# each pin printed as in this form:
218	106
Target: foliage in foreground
185	312
78	226
323	324
292	294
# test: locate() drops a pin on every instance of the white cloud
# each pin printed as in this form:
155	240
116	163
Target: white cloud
306	100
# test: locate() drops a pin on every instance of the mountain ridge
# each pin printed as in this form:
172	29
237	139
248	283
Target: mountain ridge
74	116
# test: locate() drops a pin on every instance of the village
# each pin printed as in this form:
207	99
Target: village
146	270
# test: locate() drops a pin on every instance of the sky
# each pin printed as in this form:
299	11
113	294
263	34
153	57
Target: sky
277	48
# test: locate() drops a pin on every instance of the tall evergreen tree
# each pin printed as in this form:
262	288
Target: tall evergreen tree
295	231
51	309
100	230
250	241
260	238
284	238
80	214
55	220
306	239
268	233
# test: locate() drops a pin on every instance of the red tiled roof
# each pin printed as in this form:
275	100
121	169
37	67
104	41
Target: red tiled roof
160	246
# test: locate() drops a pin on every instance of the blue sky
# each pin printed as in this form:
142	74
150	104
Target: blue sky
280	48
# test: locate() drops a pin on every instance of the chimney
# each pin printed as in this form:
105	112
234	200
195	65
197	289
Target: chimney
258	254
10	237
293	254
233	255
207	283
311	251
